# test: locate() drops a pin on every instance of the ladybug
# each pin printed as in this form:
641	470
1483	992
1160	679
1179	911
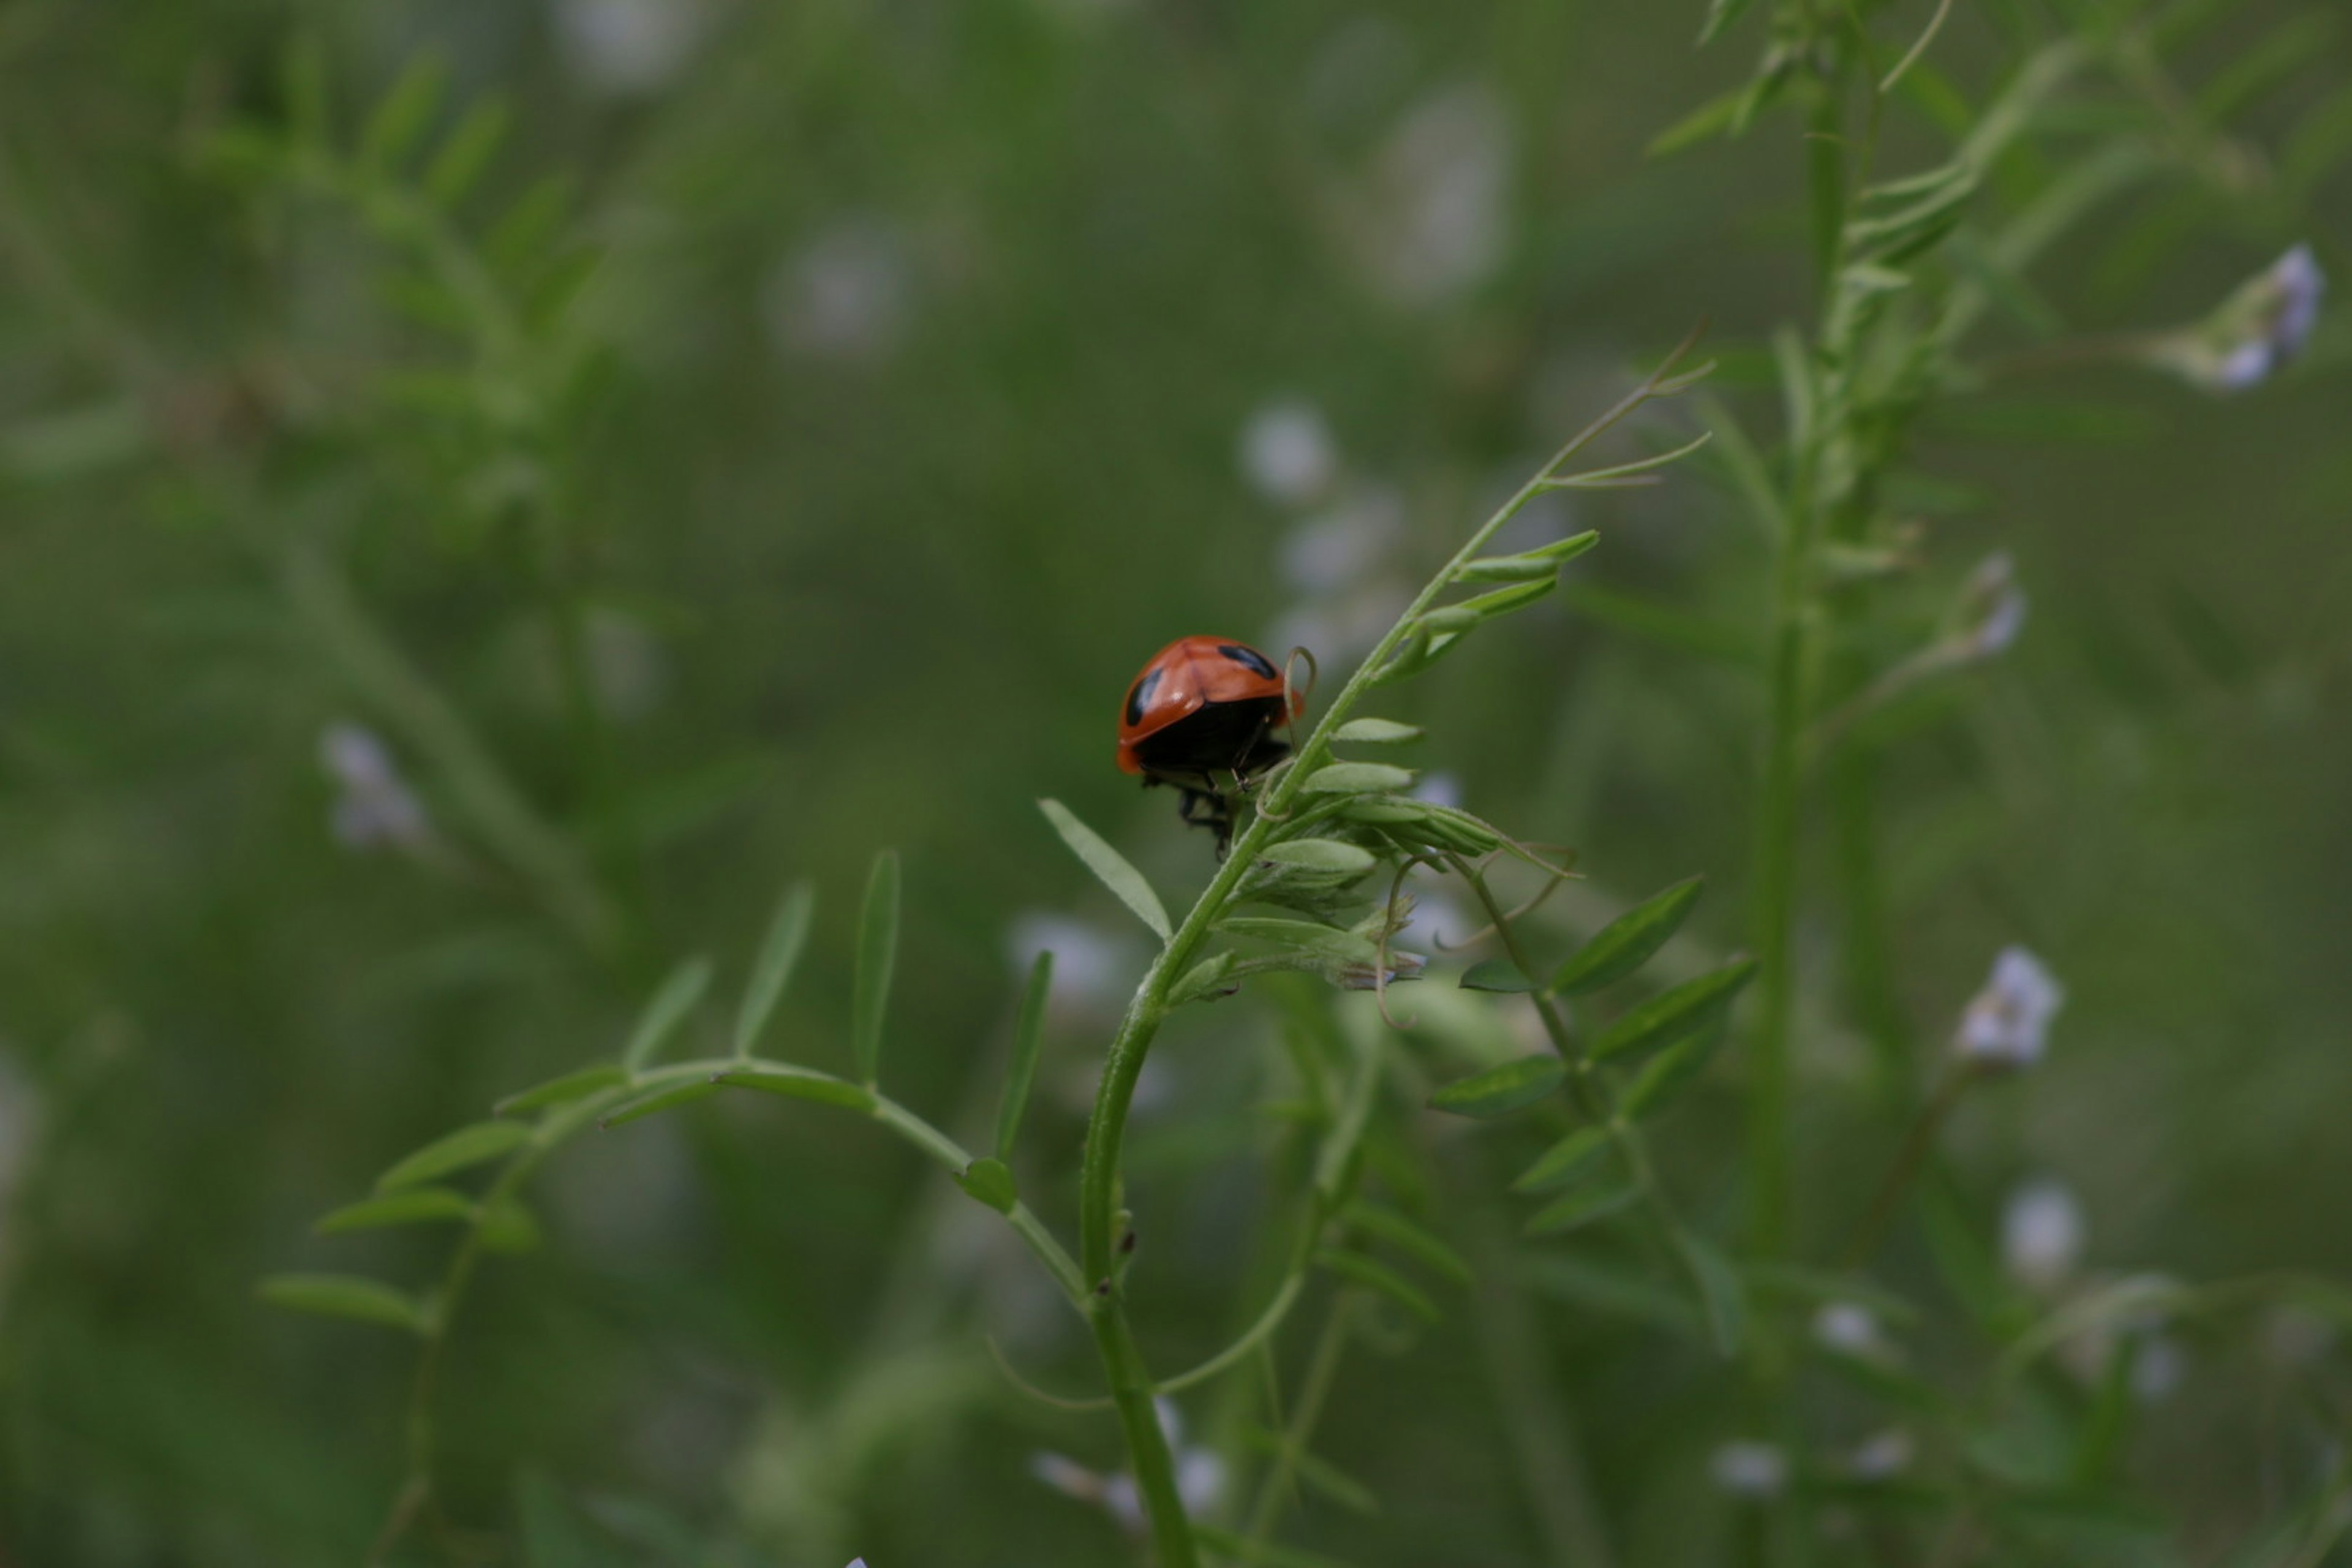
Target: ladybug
1200	716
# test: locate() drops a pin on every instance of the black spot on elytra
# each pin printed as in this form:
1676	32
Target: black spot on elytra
1249	658
1140	698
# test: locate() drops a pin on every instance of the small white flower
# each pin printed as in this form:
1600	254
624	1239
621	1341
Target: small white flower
1995	607
2041	1234
1346	542
2158	1369
1850	1329
628	47
1439	789
847	295
1200	1476
2007	1023
1431	216
2258	329
1881	1456
1093	969
1288	454
375	806
1749	1469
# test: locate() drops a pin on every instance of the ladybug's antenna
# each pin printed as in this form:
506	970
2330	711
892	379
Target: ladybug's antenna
1292	703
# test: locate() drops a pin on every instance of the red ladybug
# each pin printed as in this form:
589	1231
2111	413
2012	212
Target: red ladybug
1200	716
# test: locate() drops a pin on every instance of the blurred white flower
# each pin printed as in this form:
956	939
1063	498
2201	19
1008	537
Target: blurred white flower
2041	1234
1288	454
2007	1023
1749	1469
1093	970
1339	561
1430	217
2257	330
1200	1476
1993	607
1338	548
1850	1329
629	48
374	806
1437	919
2158	1369
1881	1456
1439	789
847	295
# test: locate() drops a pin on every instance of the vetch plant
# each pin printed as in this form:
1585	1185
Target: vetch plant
1313	884
1932	1321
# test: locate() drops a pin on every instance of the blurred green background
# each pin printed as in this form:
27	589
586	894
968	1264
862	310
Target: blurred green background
944	359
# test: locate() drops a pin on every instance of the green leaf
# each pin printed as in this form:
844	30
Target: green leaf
571	1086
1376	731
508	1226
1678	1014
1358	778
991	1182
1627	942
1387	813
1720	14
1325	941
1500	1090
466	151
1529	564
1716	116
780	955
1637	472
517	243
877	955
1507	569
465	1147
401	115
344	1296
1496	975
656	1100
1321	854
671	1003
1670	1072
1203	979
1379	1276
1579	1209
1721	1299
1320	1475
1485	608
1564	1161
799	1083
1587	1280
1109	867
414	1206
1028	1041
1409	1237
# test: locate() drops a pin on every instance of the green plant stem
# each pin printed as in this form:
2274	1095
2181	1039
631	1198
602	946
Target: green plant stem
1322	1370
1553	1478
475	783
556	1127
1905	1168
1590	1091
1106	1127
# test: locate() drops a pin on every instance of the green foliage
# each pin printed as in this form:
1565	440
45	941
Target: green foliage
654	487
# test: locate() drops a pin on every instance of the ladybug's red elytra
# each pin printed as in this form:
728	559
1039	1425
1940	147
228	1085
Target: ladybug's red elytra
1200	716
